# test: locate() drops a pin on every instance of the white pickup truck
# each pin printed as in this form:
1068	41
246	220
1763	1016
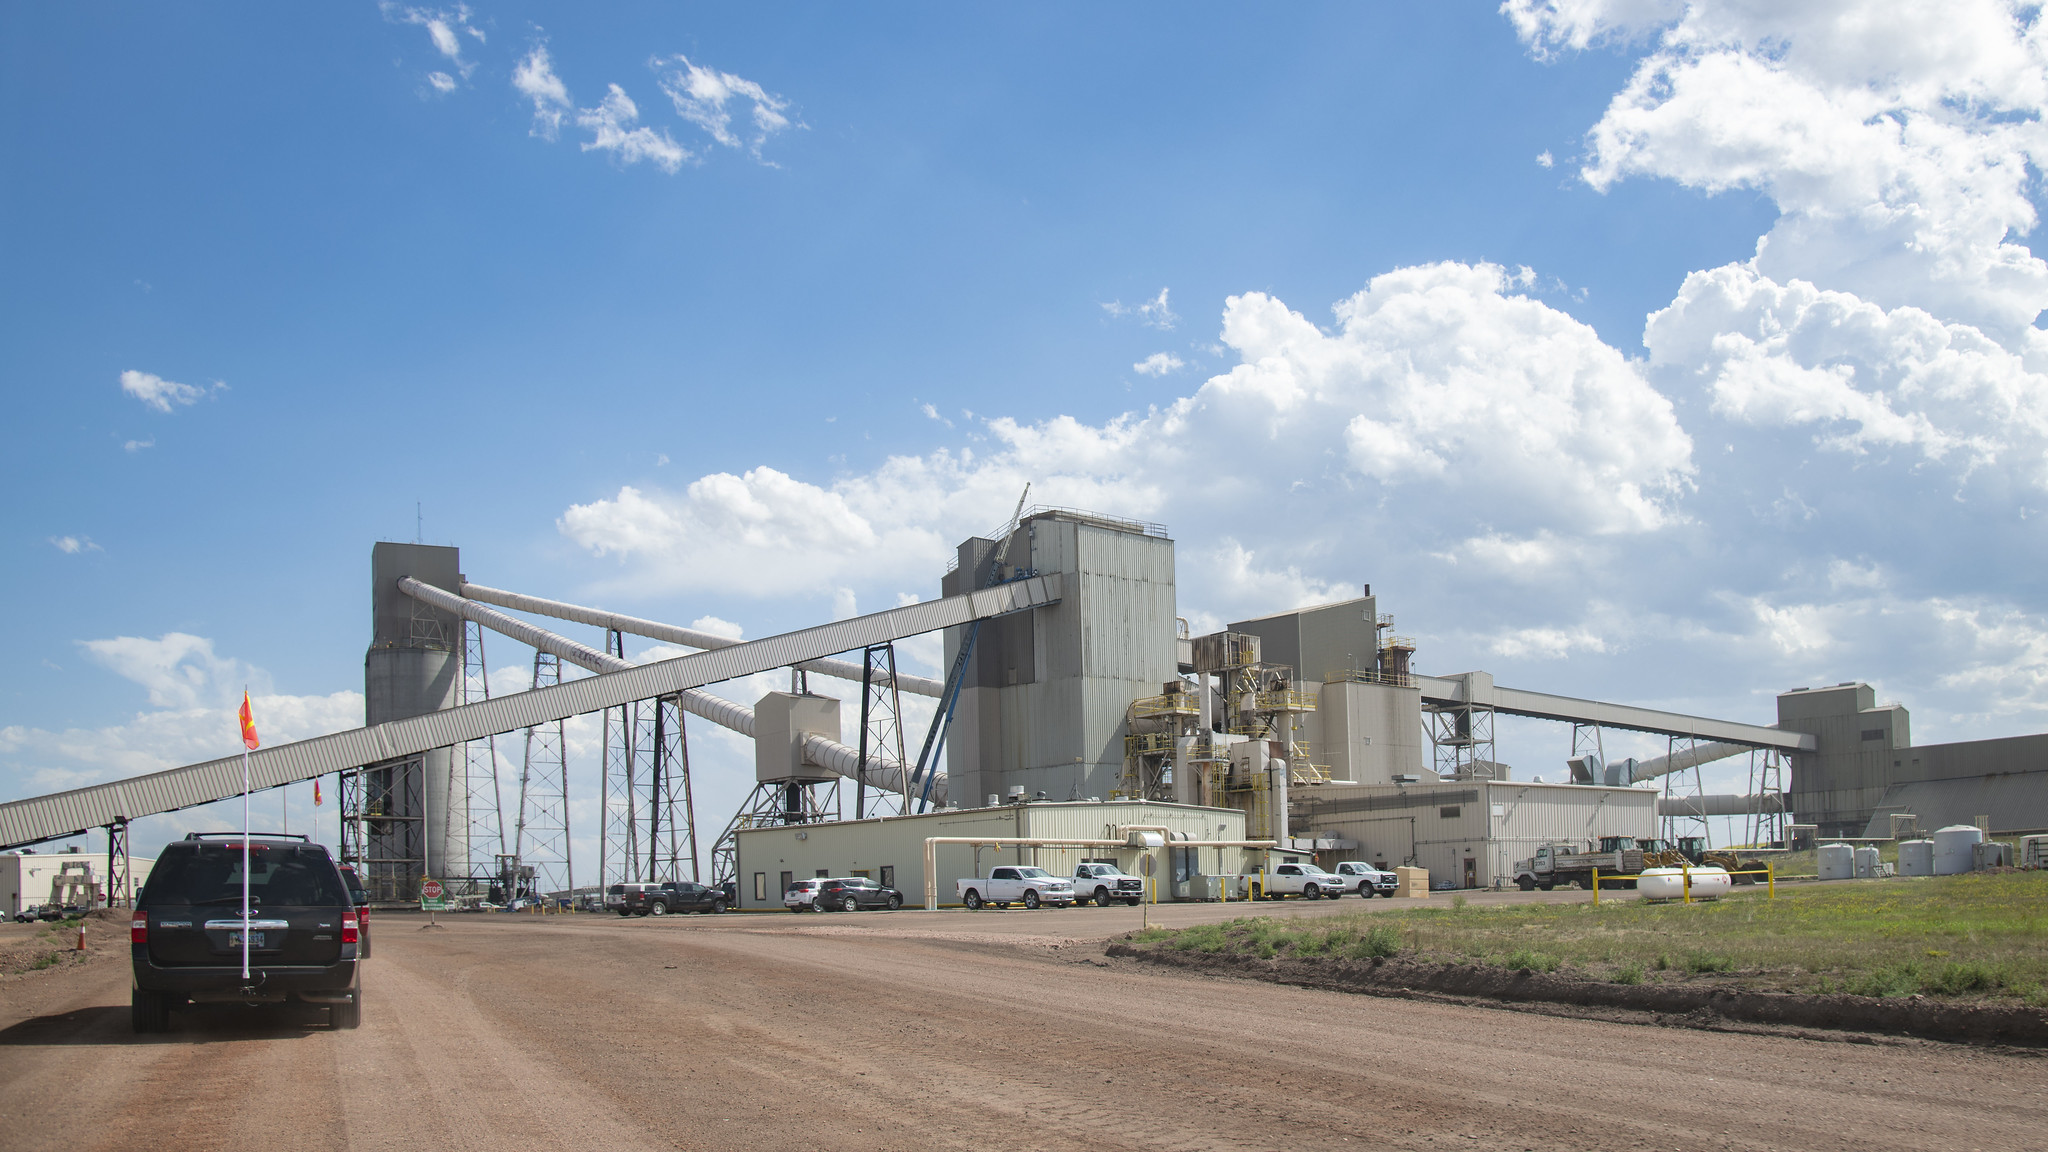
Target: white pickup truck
1015	884
1103	883
1304	880
1365	879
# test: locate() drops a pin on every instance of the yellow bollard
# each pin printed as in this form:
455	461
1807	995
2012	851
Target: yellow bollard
1596	887
1771	877
1685	878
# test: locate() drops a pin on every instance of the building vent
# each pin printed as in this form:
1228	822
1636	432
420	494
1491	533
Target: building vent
1873	733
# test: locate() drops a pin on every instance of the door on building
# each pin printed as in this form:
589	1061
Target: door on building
1471	872
788	878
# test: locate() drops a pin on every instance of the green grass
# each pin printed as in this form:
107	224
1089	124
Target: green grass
1979	936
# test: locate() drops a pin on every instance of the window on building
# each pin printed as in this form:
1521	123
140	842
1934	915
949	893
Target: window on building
862	871
888	875
824	872
1873	733
1450	812
760	885
788	878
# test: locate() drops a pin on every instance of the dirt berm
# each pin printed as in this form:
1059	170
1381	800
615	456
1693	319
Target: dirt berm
1684	1004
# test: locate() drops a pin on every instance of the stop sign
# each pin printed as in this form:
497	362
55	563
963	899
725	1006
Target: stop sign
430	890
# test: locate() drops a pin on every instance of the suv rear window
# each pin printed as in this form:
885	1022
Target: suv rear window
280	876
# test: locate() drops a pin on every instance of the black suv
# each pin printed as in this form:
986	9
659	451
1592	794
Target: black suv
853	893
674	896
186	937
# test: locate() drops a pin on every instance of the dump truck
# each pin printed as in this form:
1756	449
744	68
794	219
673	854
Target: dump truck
1565	862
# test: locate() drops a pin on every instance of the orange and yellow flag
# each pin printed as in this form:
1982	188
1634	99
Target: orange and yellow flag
248	724
316	791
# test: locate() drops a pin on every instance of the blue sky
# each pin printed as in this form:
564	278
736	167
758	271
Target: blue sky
1341	293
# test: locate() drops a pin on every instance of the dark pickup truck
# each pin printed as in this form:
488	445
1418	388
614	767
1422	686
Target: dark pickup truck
674	896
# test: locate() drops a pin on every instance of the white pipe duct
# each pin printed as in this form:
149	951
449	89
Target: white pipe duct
1697	754
822	751
1721	805
688	637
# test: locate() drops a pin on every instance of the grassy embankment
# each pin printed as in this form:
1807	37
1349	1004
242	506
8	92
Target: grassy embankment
1982	936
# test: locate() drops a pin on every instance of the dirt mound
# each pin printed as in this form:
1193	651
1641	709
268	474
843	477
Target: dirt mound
1694	1005
29	948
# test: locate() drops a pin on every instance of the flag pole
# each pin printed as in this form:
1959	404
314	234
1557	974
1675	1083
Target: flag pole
245	845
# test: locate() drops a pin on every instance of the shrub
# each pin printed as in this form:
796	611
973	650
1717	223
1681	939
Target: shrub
1375	944
1700	962
1527	960
1629	974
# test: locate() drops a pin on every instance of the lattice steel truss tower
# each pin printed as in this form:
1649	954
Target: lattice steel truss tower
881	728
483	800
619	858
540	839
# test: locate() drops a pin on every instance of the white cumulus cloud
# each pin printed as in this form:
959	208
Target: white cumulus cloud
1159	364
162	394
613	128
1153	313
535	79
707	98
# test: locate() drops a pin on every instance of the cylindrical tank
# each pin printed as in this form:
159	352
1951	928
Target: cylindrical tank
1916	857
1955	849
1866	862
1671	883
1837	862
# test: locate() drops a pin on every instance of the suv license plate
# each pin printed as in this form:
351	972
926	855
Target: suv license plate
255	939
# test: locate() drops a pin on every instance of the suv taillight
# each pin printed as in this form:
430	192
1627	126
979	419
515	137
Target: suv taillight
349	934
138	931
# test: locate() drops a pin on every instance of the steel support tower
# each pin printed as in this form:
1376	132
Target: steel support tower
540	840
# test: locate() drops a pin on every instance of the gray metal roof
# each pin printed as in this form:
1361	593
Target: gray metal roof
1441	690
42	818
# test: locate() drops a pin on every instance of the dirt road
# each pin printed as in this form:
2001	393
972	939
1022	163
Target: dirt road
914	1030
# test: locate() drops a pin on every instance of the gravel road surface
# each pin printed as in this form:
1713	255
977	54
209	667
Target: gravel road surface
917	1030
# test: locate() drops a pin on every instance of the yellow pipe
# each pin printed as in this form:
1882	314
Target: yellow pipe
1596	886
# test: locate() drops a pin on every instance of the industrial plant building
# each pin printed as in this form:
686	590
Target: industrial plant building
1076	702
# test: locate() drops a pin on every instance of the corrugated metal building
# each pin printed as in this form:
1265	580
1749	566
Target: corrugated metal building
25	876
891	849
1467	832
1042	707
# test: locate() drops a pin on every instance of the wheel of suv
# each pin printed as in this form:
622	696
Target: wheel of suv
1102	897
1311	892
817	903
349	1015
624	912
895	901
1031	898
149	1011
972	900
659	909
850	904
1257	892
717	907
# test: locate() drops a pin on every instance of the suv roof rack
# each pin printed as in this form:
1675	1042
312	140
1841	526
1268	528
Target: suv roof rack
252	836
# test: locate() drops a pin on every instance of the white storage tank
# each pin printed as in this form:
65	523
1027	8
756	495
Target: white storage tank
2034	852
1866	862
1706	883
1838	861
1955	849
1916	857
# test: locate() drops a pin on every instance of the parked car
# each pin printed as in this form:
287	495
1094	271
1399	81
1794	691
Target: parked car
803	894
1019	884
186	939
360	897
29	914
853	893
675	896
1294	879
615	896
1369	879
1103	882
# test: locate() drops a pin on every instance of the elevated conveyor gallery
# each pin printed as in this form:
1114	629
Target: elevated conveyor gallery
32	821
